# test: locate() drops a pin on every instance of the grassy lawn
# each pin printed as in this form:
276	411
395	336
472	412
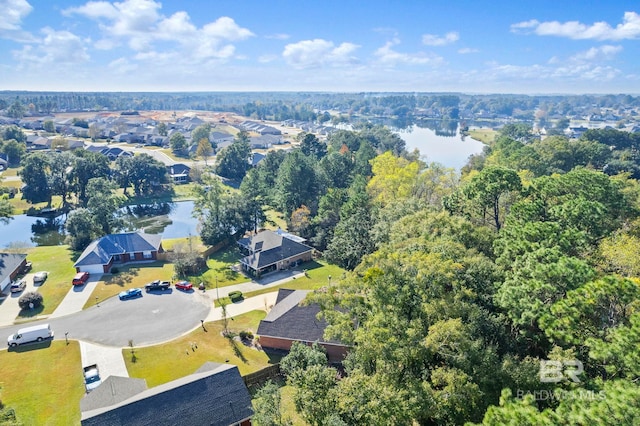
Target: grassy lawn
318	273
178	358
275	218
184	244
43	383
483	135
58	262
11	171
219	271
288	409
135	275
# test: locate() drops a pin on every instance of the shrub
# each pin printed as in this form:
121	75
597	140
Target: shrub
246	335
29	298
235	296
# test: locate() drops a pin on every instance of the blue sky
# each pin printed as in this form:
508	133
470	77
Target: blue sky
535	47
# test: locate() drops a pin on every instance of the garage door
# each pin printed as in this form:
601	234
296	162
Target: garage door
92	269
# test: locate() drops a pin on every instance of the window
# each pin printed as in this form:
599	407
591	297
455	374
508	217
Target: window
147	255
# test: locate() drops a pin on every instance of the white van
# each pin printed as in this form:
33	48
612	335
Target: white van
37	333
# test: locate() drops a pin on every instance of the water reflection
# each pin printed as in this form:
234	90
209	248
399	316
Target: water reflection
48	232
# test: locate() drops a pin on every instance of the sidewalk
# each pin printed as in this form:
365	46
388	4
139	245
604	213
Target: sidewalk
272	280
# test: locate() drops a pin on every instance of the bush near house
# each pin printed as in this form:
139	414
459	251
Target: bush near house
235	296
27	299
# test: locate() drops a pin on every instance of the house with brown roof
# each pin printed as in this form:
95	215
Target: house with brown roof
270	251
290	320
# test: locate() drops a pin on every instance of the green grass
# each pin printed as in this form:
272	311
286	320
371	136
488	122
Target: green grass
130	276
58	262
11	171
483	135
219	271
43	383
183	243
276	219
318	273
170	361
288	409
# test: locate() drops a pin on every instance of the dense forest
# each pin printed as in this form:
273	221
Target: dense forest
507	295
311	105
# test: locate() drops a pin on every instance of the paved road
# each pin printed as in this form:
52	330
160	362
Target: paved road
150	319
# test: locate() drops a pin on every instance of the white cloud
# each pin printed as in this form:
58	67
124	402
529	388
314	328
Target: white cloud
319	52
628	29
602	53
280	36
387	56
139	24
12	13
435	40
122	66
56	48
467	50
265	59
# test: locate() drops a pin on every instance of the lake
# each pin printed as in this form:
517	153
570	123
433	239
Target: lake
172	220
441	145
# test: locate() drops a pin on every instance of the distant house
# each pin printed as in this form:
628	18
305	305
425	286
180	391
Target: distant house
291	321
214	395
114	152
256	158
179	173
11	264
269	251
113	249
3	164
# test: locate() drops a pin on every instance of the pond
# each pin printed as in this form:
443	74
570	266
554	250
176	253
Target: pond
440	143
172	220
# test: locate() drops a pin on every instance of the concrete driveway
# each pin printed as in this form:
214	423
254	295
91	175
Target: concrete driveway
9	308
76	298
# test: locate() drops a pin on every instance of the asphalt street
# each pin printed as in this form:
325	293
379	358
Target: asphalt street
153	318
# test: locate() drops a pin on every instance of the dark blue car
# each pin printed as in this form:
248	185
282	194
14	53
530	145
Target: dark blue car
132	293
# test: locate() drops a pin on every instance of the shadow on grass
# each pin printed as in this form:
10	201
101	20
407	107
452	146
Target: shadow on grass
236	349
310	265
30	313
31	346
122	278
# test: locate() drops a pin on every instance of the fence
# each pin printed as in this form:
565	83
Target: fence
260	377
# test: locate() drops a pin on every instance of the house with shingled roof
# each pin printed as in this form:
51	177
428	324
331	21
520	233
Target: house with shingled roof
102	254
214	395
290	320
269	251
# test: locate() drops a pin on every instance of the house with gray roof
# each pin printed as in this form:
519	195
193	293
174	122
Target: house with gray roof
290	320
3	163
269	251
214	395
102	254
11	265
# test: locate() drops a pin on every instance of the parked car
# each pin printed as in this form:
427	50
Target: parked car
131	293
91	377
184	285
158	285
40	277
18	286
27	267
80	278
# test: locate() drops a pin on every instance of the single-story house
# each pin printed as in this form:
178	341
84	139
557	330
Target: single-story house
3	164
214	395
11	265
269	251
112	249
179	173
291	321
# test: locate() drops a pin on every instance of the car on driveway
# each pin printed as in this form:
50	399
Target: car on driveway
131	293
184	285
157	285
18	286
40	277
80	278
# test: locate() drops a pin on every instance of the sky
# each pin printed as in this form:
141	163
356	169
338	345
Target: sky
475	46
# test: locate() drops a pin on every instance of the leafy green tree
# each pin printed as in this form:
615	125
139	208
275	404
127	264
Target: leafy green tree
162	128
15	133
34	175
16	110
81	229
393	178
352	235
297	183
60	175
14	151
178	143
337	169
233	161
311	146
142	171
267	406
104	204
88	165
6	209
49	126
202	132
